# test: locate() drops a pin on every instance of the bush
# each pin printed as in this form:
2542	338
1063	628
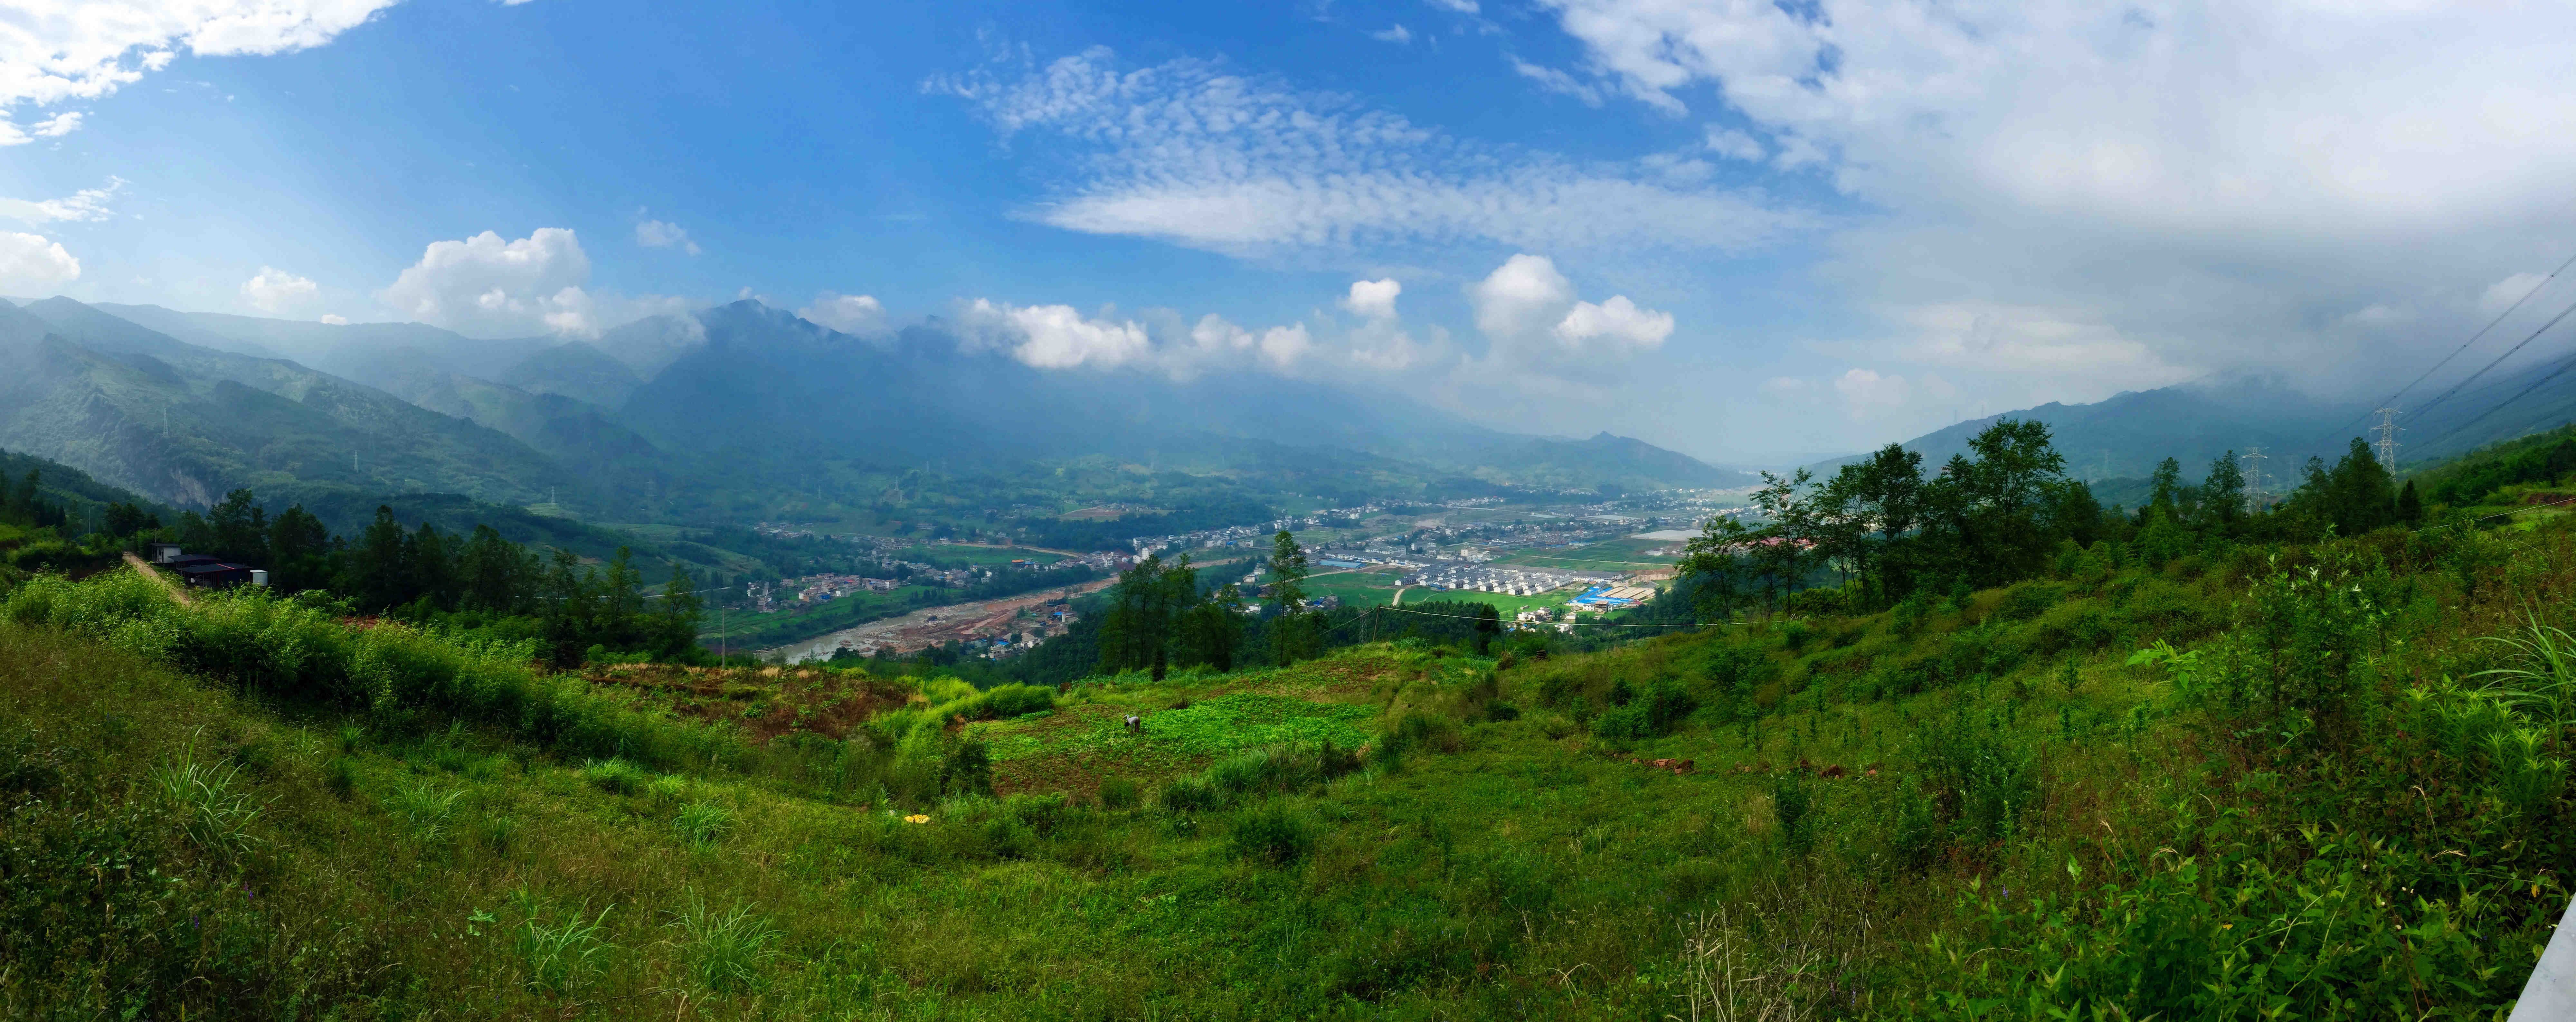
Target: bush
1010	701
2028	600
1498	710
1663	706
1118	793
1272	834
967	769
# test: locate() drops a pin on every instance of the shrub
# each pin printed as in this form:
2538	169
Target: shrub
967	769
1118	793
2028	600
1794	804
1496	709
1656	713
1272	834
1009	701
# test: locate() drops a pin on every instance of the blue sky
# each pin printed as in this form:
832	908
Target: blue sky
1746	231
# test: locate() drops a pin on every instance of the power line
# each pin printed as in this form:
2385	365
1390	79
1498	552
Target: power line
2563	365
2508	353
2473	339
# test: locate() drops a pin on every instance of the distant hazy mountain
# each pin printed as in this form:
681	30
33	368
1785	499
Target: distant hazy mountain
755	381
2119	440
175	421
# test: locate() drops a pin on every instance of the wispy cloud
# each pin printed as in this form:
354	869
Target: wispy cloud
1186	153
88	204
53	51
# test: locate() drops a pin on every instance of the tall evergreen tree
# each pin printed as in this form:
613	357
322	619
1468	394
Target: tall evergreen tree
299	551
376	575
2410	506
2223	493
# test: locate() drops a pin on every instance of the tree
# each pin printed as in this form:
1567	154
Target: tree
1211	631
681	609
123	519
495	575
1138	632
376	576
240	528
1292	630
299	551
2223	493
2410	506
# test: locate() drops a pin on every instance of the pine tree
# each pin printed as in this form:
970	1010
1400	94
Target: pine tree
2410	506
376	572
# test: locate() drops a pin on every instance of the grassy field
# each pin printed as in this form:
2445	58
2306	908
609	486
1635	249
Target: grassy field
1984	807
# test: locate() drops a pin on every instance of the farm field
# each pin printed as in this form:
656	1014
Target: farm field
1610	555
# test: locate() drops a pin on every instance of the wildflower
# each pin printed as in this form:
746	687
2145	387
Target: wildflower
916	818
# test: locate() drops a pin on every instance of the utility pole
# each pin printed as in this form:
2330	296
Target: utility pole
2253	460
2387	428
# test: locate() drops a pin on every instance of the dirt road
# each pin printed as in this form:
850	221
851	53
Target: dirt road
146	569
929	626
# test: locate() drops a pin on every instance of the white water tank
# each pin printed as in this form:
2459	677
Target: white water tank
259	576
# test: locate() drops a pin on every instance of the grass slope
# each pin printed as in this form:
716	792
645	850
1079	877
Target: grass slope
1972	809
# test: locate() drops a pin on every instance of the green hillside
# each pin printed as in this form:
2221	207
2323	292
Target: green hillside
186	424
2206	778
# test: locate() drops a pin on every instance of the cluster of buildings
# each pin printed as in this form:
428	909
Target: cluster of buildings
1509	581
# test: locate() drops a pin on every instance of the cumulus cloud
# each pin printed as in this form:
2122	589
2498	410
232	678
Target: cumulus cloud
54	51
849	314
1057	336
1374	299
664	234
1531	314
487	285
30	263
88	204
1279	348
1186	153
275	290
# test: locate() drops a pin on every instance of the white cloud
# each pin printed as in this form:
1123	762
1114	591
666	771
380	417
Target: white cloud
52	51
335	319
275	290
1458	6
483	284
88	204
56	126
1057	337
1535	321
1556	81
1396	34
1617	325
2502	294
1867	393
664	234
29	263
849	314
1187	154
1279	348
1734	144
1374	299
2180	189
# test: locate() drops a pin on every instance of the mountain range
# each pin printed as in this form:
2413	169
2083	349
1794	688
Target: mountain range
2117	442
720	414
